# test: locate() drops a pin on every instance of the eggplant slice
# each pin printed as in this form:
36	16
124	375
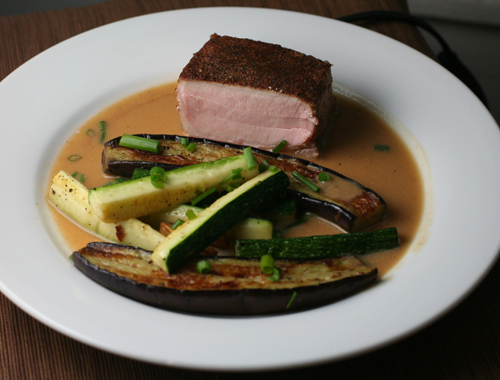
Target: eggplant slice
347	203
234	286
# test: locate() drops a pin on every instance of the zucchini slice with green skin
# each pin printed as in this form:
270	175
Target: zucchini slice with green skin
192	237
360	210
234	286
139	197
70	197
311	247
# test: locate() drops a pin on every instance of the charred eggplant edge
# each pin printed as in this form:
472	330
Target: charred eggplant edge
224	302
329	210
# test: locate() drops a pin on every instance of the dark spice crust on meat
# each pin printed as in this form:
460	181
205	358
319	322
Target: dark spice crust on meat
260	65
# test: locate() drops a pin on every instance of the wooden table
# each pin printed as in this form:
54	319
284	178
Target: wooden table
465	344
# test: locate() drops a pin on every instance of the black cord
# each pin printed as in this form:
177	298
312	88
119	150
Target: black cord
447	57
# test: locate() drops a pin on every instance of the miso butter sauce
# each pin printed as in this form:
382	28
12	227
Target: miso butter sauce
350	150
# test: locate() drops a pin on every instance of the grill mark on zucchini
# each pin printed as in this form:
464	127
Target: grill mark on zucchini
235	286
357	214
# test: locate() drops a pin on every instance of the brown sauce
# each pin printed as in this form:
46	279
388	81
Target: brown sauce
350	150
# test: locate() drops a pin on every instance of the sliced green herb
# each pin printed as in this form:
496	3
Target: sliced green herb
177	223
276	275
190	214
203	196
184	141
191	147
323	177
291	300
79	176
158	177
141	143
203	267
251	164
305	181
102	126
263	166
140	173
267	264
273	169
74	157
90	132
382	148
235	175
71	257
280	146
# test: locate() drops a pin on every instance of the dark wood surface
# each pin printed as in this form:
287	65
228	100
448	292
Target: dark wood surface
464	344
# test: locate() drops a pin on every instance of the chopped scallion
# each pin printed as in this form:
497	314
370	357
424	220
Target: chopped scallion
141	143
177	223
184	141
276	275
263	166
191	147
203	267
323	177
140	173
79	176
235	175
291	300
267	264
90	132
382	148
251	164
158	177
280	146
190	214
273	169
74	157
203	196
305	181
102	126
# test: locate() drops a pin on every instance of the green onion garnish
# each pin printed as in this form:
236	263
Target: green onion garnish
273	169
74	157
382	148
280	146
141	143
231	187
71	257
191	147
251	164
267	264
190	214
263	166
235	175
291	300
102	126
158	177
276	275
177	223
305	181
79	176
203	196
184	141
90	132
323	177
140	173
203	267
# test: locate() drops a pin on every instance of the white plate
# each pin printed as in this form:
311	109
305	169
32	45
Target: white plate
44	100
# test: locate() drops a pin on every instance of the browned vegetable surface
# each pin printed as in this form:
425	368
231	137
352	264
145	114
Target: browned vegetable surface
233	286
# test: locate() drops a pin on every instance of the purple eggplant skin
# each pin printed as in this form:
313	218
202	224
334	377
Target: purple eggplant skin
251	301
357	214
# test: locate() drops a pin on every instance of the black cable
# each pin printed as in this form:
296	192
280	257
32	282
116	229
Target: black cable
447	57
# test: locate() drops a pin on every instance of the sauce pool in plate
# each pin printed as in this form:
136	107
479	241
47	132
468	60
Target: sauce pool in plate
361	146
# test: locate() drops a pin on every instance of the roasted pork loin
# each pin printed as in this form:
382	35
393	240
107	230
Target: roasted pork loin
254	93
